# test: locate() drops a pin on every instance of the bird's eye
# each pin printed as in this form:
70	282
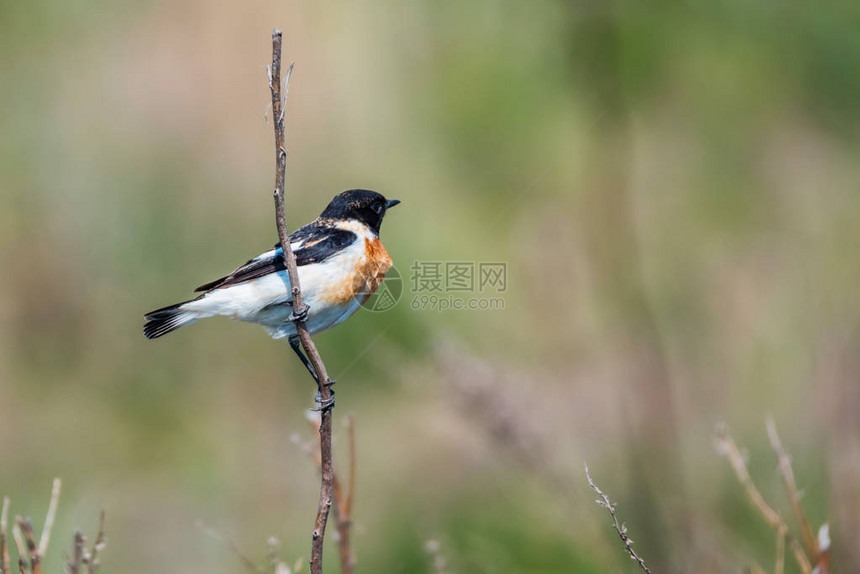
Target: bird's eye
378	207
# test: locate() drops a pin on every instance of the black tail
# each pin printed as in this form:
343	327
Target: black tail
163	321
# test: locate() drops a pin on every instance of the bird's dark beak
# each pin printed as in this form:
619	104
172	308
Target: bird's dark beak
391	203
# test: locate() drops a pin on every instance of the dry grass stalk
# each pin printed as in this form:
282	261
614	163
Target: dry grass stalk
75	563
820	554
81	556
19	539
93	561
274	562
787	473
49	517
620	529
214	534
30	553
726	446
300	309
32	550
779	564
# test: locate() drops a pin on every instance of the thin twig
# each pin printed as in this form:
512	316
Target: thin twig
4	545
19	539
726	446
212	533
791	486
98	546
27	528
49	517
621	529
800	557
299	308
779	565
78	556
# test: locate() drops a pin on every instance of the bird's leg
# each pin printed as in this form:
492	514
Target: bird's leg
294	343
324	405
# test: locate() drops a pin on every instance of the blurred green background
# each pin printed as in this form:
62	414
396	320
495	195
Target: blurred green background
674	189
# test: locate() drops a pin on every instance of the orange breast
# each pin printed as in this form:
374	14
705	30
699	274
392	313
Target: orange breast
367	275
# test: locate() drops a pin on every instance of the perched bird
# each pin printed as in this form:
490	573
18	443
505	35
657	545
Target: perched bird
340	262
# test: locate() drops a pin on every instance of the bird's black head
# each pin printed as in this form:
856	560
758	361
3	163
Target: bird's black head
362	205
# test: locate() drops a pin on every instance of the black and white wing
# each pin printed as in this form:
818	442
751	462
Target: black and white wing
313	243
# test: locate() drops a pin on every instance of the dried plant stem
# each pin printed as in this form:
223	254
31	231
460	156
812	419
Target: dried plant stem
78	556
212	533
779	565
791	487
98	545
19	539
49	517
31	554
726	446
800	557
299	308
620	529
32	550
343	506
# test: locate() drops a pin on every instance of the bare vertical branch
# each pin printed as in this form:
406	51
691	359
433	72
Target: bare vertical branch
299	309
620	529
49	517
4	544
791	486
